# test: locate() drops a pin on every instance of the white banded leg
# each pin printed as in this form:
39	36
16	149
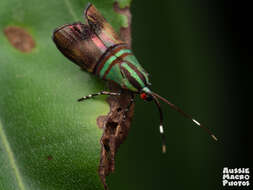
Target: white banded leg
161	124
97	94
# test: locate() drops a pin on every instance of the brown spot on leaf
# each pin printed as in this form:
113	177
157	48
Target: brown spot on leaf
19	38
49	157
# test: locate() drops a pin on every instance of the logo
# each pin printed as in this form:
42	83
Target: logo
236	177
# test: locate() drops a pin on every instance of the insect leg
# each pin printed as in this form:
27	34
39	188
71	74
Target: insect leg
99	93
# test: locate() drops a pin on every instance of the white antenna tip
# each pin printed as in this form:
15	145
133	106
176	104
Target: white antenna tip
164	149
196	122
161	129
214	137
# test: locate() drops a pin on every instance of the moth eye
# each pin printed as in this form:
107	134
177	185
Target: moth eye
146	97
143	96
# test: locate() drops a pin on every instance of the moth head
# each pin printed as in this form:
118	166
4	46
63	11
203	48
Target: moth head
145	94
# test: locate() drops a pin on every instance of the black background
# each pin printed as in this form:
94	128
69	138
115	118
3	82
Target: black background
198	54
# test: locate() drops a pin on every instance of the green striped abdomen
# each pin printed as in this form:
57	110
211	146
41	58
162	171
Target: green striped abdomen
120	65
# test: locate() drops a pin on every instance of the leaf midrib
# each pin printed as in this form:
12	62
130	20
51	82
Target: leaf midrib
10	155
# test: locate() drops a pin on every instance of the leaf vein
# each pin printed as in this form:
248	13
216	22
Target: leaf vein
10	155
71	11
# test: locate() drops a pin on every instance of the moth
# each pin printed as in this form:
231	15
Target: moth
96	48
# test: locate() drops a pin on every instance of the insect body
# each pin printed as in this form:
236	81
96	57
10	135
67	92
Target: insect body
95	47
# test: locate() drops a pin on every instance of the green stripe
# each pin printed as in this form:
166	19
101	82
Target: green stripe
132	59
111	59
133	74
116	76
122	51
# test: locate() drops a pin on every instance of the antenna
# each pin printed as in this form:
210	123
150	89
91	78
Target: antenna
181	112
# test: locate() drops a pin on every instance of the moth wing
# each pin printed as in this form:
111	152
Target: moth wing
80	44
101	27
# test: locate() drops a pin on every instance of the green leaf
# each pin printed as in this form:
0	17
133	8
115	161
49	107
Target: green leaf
123	3
47	139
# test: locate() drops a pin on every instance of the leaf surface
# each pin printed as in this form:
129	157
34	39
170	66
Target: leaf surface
47	139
